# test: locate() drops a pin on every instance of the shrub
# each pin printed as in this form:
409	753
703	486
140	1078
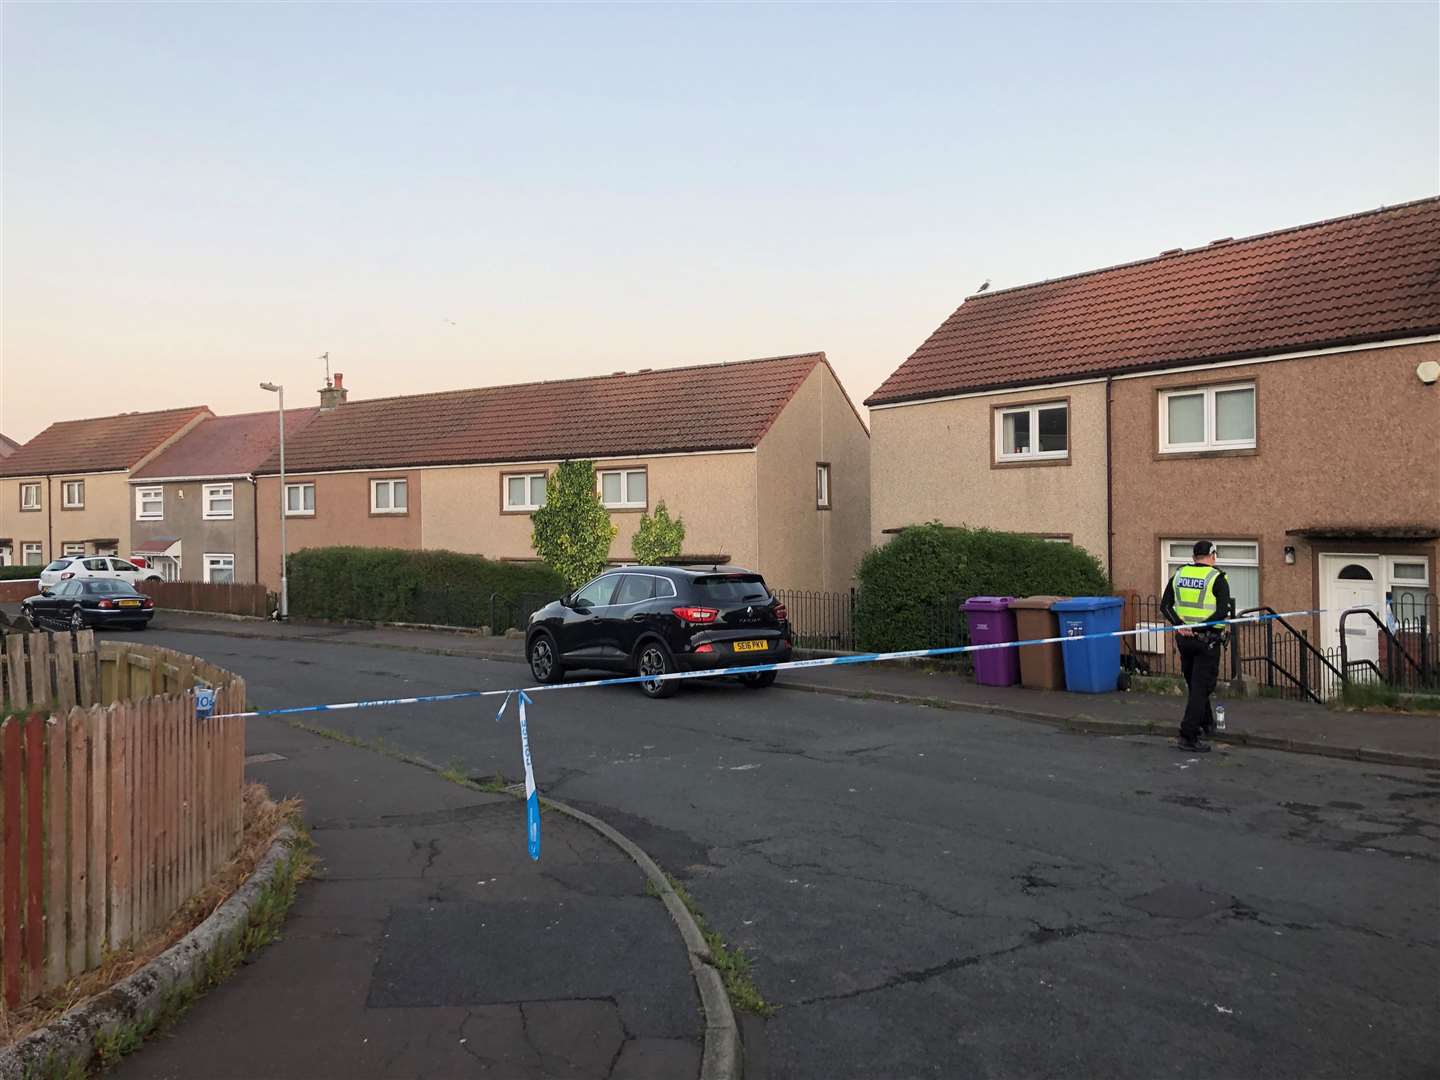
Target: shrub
18	573
572	530
917	579
658	538
395	585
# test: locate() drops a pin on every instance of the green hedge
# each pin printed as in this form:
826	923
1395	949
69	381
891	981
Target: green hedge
911	587
396	585
13	573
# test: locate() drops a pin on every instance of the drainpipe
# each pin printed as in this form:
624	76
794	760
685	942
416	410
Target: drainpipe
255	520
49	554
1109	484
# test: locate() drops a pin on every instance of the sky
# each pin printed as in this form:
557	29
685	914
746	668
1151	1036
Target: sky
197	198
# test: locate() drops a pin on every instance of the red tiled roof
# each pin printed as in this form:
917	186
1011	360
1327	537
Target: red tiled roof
670	410
1367	277
8	445
101	444
225	445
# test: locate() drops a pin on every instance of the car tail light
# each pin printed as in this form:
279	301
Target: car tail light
707	647
67	575
781	613
696	614
106	603
147	602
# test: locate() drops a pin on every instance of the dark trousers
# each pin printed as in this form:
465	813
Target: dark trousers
1200	661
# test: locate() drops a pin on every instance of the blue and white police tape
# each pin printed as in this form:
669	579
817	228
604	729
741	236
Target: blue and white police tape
532	801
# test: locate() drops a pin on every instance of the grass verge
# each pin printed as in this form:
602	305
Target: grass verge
1357	695
732	964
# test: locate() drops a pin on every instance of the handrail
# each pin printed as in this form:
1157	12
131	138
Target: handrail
1306	647
1395	645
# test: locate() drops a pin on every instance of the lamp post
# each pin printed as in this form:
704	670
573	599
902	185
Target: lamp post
284	506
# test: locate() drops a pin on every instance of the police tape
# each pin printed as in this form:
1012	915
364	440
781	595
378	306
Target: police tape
522	695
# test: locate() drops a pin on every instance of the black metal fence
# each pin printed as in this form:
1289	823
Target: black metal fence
821	620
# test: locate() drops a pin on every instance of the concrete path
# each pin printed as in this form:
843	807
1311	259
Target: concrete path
430	945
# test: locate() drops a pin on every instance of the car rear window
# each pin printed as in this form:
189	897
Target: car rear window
58	564
107	585
732	587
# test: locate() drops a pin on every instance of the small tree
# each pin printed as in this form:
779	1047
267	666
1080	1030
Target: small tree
572	532
658	538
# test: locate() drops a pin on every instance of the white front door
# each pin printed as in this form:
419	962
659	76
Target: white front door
1351	581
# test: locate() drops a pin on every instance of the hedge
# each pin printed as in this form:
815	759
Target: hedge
442	588
916	582
16	573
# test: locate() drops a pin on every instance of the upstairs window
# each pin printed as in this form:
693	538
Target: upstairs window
389	497
1208	418
299	500
73	495
524	492
30	496
1026	433
822	485
149	504
623	489
219	502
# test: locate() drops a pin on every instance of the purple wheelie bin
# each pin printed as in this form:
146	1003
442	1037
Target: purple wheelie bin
991	623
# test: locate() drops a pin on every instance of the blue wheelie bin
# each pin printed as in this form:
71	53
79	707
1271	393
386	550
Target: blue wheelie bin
1092	665
992	623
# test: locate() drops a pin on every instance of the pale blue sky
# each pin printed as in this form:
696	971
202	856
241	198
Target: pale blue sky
198	197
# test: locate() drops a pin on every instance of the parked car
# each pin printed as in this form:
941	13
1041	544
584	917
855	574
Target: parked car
95	566
93	601
653	620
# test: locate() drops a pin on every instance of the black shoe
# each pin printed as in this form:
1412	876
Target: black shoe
1192	746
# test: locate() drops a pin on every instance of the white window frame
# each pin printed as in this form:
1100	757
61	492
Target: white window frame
217	491
68	503
300	487
1033	408
626	502
1391	582
1169	564
6	554
149	494
822	485
72	549
390	483
29	487
214	560
530	505
1210	441
29	547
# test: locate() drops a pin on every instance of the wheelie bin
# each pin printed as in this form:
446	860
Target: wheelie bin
991	623
1042	667
1092	664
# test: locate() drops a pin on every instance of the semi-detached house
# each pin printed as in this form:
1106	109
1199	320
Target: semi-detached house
1278	394
767	461
66	491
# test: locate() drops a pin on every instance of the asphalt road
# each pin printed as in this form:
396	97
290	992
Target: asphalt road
936	894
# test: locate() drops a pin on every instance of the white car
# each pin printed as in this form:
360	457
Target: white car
95	566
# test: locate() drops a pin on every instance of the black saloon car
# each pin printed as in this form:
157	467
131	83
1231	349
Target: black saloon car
652	620
82	602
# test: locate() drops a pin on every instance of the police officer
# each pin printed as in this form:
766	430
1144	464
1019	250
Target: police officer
1197	594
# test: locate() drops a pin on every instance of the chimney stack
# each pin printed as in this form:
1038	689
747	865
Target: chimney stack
335	394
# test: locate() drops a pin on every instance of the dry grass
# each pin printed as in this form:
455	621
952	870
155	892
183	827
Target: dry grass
263	818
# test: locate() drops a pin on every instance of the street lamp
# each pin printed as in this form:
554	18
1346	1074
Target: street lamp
284	506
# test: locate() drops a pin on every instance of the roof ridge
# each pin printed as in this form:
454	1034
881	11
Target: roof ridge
1181	253
817	356
123	415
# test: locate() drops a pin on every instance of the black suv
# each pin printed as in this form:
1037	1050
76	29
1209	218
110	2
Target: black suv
652	620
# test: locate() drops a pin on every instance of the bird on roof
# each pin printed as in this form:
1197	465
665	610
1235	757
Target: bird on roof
983	285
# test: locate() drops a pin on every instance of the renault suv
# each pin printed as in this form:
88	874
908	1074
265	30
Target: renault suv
654	620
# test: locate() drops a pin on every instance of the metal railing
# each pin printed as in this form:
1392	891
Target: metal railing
821	620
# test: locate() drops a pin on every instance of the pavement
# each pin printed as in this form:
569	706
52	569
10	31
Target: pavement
1377	736
922	892
428	944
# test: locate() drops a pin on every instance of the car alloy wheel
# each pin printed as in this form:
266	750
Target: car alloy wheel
77	620
542	660
654	660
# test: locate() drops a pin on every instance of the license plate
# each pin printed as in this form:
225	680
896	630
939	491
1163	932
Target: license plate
129	603
751	646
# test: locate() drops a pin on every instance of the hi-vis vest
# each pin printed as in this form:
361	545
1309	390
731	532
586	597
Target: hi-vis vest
1195	593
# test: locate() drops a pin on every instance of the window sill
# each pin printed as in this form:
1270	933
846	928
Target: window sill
1028	463
637	509
1184	455
209	517
299	514
80	507
149	519
520	509
31	509
389	513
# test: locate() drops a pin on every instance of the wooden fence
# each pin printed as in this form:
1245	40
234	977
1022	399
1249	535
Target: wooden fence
205	596
116	804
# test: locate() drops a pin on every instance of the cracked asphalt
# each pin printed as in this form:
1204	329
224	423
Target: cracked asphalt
936	894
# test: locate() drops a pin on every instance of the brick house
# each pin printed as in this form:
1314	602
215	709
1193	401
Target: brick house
66	491
766	460
193	505
1277	394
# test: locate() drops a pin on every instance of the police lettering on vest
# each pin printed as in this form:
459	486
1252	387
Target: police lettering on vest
1195	593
